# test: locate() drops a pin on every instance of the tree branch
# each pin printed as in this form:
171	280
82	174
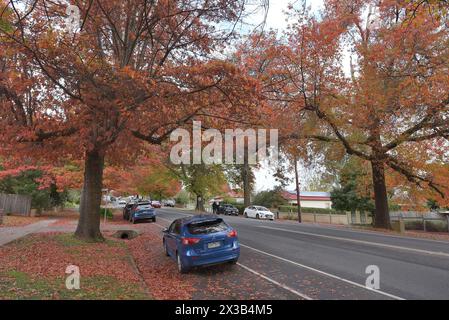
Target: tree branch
414	178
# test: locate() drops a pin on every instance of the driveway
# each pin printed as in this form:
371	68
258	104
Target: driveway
13	233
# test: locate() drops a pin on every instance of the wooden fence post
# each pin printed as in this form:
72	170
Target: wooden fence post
1	216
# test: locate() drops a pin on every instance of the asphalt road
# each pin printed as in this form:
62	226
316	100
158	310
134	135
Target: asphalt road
325	262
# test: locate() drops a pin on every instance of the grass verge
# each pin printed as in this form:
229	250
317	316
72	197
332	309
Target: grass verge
35	267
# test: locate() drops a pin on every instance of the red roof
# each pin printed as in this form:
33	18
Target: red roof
235	194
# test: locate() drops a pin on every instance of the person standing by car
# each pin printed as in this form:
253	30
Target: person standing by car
215	207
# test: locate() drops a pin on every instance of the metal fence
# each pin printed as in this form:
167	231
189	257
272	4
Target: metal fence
15	203
429	221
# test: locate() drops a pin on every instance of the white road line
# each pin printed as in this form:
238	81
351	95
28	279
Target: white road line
275	282
375	244
175	212
369	232
159	225
165	219
365	232
305	267
342	229
324	273
263	276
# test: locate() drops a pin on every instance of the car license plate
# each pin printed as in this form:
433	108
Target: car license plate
213	245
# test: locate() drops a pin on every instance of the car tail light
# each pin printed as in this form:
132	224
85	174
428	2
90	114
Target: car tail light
232	234
190	241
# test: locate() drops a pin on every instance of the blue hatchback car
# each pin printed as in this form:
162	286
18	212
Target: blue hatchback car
145	212
200	241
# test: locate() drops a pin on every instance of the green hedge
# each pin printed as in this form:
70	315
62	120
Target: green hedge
309	210
436	226
240	207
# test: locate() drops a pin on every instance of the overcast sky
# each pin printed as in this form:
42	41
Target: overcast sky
276	19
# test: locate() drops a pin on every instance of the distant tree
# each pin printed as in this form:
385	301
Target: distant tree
201	180
242	176
28	182
182	197
350	195
432	204
159	183
270	199
345	198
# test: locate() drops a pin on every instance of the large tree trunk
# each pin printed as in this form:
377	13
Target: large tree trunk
246	171
89	222
382	214
199	204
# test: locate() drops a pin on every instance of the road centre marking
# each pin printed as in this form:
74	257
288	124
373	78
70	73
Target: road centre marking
170	221
324	273
305	267
375	244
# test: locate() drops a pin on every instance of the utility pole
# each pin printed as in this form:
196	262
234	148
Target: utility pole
297	190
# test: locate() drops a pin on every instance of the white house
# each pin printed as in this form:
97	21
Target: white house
309	199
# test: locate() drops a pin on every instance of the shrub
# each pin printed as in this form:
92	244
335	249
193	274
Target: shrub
229	200
240	207
413	225
74	196
289	216
431	226
269	199
182	198
27	183
436	226
106	211
309	210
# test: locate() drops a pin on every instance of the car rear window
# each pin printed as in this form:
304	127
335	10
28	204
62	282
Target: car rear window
207	227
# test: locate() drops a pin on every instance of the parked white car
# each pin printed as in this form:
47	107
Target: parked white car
169	203
121	203
258	212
